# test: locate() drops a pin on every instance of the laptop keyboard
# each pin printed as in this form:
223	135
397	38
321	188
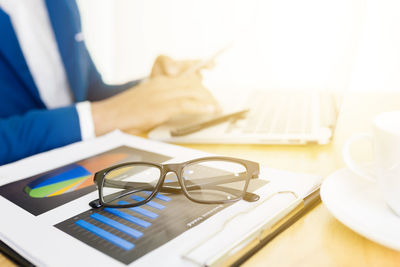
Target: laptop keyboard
285	113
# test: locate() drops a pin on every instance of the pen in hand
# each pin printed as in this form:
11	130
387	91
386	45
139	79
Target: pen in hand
201	64
205	124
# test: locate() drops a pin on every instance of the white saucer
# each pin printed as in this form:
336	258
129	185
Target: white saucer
358	204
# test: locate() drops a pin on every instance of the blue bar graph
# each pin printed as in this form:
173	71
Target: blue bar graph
141	211
122	243
150	203
119	226
128	217
159	196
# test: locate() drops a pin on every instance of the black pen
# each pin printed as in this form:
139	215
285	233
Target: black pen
205	124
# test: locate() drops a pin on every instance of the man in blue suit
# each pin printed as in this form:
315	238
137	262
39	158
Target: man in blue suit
52	94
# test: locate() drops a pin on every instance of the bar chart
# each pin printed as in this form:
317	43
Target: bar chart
126	234
129	233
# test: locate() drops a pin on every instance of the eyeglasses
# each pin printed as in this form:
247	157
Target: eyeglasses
209	180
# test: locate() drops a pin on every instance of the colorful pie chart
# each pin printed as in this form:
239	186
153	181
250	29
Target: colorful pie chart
72	177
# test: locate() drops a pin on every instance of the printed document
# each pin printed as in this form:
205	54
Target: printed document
47	220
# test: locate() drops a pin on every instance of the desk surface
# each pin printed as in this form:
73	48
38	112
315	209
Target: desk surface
317	239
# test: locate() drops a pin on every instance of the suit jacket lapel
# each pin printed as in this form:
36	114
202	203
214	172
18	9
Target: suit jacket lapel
11	51
64	17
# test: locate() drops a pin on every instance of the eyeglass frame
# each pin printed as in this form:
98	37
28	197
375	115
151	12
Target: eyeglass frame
252	168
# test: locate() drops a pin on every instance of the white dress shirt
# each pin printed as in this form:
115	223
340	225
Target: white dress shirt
37	40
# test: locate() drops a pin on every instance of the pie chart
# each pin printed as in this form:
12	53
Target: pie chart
71	177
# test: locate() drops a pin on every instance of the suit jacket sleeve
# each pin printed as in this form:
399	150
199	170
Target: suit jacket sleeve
37	131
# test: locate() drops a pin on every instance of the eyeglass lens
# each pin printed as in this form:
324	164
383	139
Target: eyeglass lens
216	180
135	179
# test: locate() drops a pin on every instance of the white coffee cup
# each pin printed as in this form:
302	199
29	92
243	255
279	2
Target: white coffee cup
385	139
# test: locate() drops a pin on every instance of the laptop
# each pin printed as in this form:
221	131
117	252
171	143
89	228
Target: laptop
271	117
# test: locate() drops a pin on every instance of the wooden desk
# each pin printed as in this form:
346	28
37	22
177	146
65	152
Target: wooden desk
317	239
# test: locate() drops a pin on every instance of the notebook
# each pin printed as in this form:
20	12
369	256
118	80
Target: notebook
40	209
274	117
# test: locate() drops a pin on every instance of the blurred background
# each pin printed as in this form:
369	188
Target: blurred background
285	44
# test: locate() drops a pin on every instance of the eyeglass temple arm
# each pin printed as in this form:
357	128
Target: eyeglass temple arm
174	187
212	183
201	182
133	187
212	180
248	196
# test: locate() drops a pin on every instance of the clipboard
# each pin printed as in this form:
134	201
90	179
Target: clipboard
240	251
13	256
303	207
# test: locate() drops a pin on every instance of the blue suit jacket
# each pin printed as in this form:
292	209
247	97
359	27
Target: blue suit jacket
26	126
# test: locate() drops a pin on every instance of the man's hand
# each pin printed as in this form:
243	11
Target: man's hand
151	103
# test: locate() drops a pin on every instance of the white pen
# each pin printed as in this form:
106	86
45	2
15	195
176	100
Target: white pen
208	123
